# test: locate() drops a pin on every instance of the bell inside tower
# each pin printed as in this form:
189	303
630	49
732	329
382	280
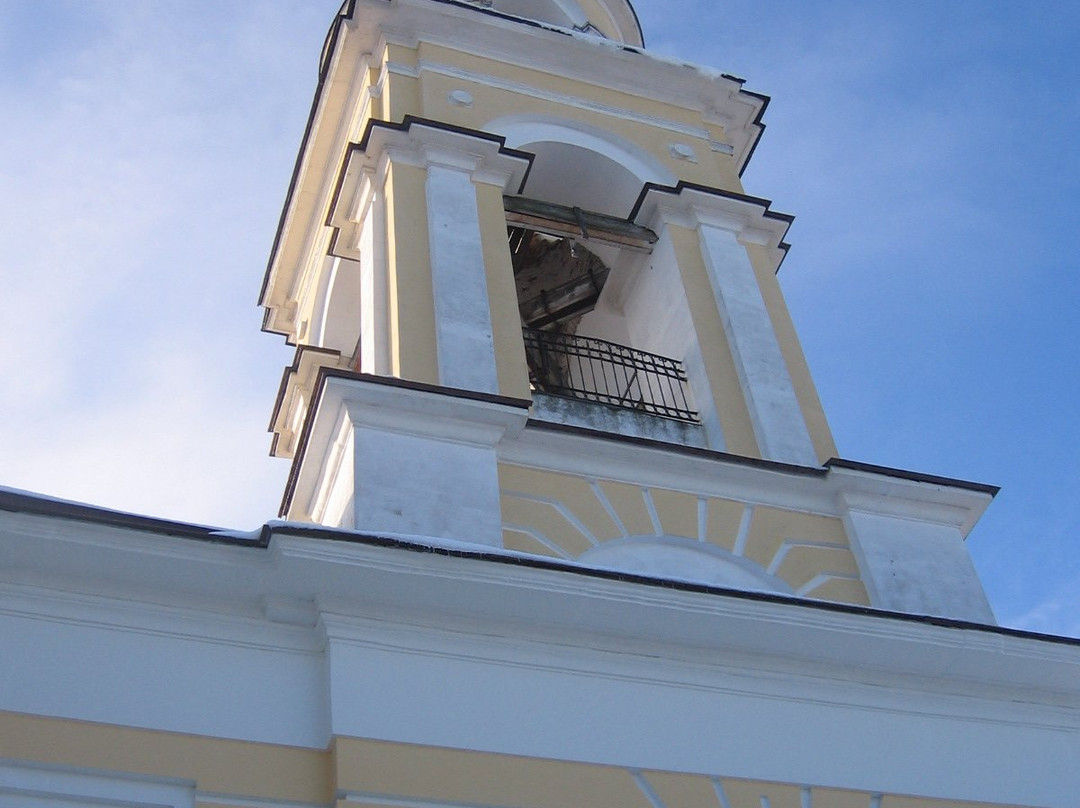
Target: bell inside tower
577	341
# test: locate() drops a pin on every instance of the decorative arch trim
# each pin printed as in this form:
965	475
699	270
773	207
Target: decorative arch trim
519	131
674	557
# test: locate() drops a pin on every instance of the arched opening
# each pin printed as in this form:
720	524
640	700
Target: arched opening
574	175
579	265
339	325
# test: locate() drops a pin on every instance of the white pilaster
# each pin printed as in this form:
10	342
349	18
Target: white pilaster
462	315
770	395
374	306
916	567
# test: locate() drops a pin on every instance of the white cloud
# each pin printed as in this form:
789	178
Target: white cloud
187	443
144	164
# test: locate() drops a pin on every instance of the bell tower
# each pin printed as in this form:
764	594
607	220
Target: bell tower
535	309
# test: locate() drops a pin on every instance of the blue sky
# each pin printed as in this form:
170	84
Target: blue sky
924	148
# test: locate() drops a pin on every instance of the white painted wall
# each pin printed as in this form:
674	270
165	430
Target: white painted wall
497	694
658	315
416	484
340	322
388	459
917	567
98	659
417	647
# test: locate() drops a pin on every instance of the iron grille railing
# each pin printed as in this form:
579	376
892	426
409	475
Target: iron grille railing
597	370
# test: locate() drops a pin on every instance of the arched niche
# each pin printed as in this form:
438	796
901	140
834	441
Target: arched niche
338	327
672	557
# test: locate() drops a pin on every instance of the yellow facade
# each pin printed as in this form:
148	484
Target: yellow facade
565	516
362	772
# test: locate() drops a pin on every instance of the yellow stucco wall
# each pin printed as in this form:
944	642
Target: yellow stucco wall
564	515
228	773
216	765
716	354
622	115
412	303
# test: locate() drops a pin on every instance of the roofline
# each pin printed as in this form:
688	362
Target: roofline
15	501
765	204
545	25
919	477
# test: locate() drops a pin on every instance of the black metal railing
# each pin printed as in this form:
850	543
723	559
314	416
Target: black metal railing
597	370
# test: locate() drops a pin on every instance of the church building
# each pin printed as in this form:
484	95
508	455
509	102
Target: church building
565	523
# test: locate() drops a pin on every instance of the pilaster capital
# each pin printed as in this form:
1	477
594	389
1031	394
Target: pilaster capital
424	143
906	495
695	206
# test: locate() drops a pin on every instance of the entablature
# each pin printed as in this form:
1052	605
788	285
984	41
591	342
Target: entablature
702	113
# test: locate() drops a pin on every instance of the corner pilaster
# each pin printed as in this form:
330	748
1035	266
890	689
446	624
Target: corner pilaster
907	537
404	459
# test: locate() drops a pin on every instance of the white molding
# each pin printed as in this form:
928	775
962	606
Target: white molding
908	499
726	477
523	129
693	208
137	615
218	798
42	786
422	145
430	635
657	702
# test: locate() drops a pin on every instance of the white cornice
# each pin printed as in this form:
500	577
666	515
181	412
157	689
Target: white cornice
422	145
688	206
358	635
448	588
599	62
140	614
563	99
